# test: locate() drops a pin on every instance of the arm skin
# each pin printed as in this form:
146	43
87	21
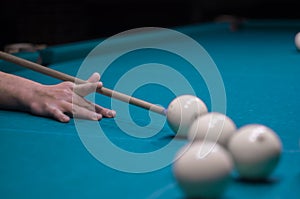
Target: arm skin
60	101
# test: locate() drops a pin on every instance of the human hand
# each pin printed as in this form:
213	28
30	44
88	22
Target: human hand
65	100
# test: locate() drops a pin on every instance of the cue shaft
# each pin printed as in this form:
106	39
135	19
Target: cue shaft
65	77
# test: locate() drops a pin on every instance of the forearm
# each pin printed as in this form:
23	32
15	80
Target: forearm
16	92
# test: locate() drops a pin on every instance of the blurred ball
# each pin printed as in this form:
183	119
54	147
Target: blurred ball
203	169
215	127
297	41
256	151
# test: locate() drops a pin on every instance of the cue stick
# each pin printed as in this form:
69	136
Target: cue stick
65	77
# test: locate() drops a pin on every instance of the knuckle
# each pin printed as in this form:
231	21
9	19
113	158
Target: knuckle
67	94
69	84
35	108
51	109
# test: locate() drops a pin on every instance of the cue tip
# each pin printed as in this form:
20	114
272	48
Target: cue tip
165	111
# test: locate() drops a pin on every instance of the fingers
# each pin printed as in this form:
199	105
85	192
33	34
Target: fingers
85	89
67	110
95	77
82	102
93	107
89	112
105	112
83	113
77	112
58	114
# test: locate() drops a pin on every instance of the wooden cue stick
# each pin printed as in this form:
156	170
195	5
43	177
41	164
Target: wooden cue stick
65	77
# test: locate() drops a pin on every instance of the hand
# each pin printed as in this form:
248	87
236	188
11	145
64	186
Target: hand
66	100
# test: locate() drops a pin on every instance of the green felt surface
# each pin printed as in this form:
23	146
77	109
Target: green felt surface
42	158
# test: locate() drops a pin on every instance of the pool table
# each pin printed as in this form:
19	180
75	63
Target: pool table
260	71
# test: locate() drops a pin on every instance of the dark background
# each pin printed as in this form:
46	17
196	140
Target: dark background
54	22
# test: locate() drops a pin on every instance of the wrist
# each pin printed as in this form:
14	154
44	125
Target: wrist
27	95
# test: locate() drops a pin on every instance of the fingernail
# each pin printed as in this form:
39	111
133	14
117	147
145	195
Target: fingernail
65	119
111	113
97	116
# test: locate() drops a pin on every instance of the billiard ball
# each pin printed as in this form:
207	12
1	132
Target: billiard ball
297	41
215	127
182	111
202	169
256	151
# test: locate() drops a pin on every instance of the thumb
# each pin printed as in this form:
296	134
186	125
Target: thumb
95	77
85	89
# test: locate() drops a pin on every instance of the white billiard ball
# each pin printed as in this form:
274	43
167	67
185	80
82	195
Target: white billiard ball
203	169
215	127
256	151
182	111
297	41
